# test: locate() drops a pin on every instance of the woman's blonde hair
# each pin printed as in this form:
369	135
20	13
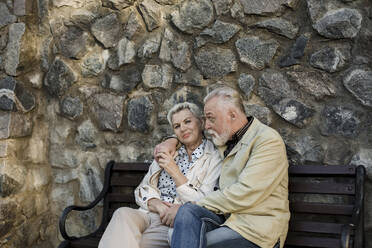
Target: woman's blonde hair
194	109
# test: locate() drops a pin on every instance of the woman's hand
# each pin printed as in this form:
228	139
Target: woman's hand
170	214
157	206
167	162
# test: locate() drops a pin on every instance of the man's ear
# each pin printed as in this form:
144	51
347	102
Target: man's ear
232	114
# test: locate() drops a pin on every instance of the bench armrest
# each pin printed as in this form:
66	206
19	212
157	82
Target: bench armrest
358	216
345	235
102	194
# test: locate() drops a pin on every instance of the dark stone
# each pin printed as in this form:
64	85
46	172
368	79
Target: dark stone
150	46
107	30
265	7
59	78
3	38
13	96
5	16
8	186
193	15
337	153
359	83
304	149
296	52
215	62
108	111
255	52
263	114
71	107
329	59
124	82
340	120
8	212
157	76
151	14
277	82
339	24
73	42
133	26
139	114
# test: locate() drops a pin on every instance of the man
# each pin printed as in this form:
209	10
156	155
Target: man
250	209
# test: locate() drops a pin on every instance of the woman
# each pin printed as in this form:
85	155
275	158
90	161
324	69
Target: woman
189	176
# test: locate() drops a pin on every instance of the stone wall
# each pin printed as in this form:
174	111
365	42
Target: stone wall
86	81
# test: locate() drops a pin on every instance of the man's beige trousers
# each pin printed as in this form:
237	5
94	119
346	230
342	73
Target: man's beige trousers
132	228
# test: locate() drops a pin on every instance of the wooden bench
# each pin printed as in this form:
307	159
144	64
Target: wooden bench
314	221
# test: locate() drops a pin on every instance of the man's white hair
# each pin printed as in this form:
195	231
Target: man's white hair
227	94
194	109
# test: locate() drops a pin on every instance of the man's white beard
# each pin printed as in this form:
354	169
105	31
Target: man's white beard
218	140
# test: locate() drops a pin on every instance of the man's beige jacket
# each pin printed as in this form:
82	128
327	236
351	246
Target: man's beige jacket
254	187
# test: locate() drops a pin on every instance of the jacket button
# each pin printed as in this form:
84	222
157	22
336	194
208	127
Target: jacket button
191	185
144	198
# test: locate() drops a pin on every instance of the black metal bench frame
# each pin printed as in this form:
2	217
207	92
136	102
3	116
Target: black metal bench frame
303	179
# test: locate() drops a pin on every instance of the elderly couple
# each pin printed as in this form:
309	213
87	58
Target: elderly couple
233	193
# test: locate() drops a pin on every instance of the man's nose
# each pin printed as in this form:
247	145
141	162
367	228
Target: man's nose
207	124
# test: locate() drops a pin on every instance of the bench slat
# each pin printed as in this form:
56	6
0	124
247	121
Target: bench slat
315	227
118	197
85	243
322	188
126	179
131	167
321	208
321	170
305	241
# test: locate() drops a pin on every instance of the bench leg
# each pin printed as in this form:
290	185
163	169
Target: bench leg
64	244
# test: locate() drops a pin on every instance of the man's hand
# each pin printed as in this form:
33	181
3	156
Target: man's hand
167	146
170	214
157	206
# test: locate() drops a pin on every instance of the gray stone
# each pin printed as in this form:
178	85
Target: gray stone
340	120
7	96
246	83
133	26
193	15
220	32
3	148
166	2
358	82
174	49
90	181
150	46
255	52
222	7
329	59
151	14
339	24
83	18
5	16
71	107
278	82
15	125
363	157
265	7
185	94
293	111
126	52
295	53
303	149
19	7
59	78
124	82
13	49
315	83
86	135
263	114
3	38
215	62
75	4
73	43
108	111
139	113
45	53
279	26
237	11
117	4
63	157
107	30
191	77
92	65
316	9
337	153
8	186
156	76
